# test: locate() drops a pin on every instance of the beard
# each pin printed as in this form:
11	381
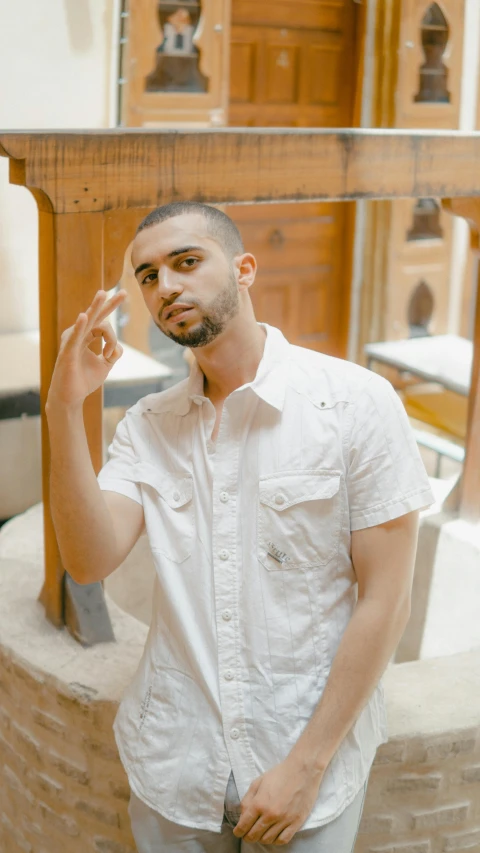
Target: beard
214	320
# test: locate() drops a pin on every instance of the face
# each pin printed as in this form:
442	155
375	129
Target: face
179	19
189	286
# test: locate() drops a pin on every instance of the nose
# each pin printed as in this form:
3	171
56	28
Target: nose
168	283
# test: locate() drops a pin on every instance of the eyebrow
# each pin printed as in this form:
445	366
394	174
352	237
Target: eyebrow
173	254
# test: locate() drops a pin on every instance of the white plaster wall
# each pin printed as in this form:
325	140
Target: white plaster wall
57	67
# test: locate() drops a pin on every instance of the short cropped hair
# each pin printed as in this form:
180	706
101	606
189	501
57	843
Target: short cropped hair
220	227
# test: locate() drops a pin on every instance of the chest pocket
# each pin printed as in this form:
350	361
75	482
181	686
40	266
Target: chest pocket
299	519
168	509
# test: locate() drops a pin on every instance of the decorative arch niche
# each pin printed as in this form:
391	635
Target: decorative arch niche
420	310
433	73
426	221
177	56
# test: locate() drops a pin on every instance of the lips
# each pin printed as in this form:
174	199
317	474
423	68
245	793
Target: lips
175	311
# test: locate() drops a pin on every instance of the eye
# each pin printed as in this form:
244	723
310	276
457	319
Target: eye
189	263
149	278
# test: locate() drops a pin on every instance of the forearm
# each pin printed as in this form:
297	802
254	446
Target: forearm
367	645
83	524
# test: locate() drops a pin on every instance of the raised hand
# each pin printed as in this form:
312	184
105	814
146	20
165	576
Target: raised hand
78	370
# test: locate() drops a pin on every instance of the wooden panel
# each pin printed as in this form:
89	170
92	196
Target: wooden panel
302	303
303	238
324	78
312	14
317	312
303	77
282	73
411	58
273	304
298	285
242	71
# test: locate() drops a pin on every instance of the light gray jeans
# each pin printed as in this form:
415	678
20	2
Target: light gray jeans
155	834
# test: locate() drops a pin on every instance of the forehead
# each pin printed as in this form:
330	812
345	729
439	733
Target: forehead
188	229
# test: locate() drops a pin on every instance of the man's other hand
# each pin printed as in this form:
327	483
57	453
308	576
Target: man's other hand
278	803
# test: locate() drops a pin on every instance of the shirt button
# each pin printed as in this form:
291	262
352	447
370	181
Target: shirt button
224	555
229	675
227	615
224	497
176	496
234	734
279	499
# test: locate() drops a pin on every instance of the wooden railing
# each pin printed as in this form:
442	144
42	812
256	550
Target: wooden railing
92	188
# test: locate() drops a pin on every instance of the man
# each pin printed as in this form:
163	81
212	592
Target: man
280	491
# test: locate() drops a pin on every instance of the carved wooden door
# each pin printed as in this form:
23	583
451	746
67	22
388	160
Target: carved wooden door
293	65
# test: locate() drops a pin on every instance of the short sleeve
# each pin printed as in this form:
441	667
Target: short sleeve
118	473
386	475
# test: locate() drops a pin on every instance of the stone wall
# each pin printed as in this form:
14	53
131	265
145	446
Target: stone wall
63	790
424	796
62	787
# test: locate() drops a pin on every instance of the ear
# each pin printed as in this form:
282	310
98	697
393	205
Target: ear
246	267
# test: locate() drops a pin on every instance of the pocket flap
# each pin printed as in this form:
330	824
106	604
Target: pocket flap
175	489
282	491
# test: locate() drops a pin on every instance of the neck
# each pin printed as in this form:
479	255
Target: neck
232	359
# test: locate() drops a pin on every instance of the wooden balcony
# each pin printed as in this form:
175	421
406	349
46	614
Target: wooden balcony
92	188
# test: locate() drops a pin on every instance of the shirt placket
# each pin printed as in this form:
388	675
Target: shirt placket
227	580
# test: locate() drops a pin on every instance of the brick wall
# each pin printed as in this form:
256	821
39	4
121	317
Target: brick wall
424	795
63	789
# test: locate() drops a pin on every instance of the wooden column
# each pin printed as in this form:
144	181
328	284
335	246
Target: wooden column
70	272
79	254
469	506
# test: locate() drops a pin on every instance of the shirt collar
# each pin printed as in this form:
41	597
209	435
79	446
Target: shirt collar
269	384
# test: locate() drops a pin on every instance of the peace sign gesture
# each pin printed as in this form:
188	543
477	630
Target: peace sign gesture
78	370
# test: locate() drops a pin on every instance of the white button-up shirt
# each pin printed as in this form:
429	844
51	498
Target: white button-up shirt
254	579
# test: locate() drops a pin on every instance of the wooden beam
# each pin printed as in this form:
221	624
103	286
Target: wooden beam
469	209
108	170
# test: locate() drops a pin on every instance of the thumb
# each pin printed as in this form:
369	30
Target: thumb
249	796
111	353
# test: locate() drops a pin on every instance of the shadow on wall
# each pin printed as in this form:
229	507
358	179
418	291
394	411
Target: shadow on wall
79	24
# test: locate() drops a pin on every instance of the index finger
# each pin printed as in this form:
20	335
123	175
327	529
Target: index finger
247	820
111	304
100	309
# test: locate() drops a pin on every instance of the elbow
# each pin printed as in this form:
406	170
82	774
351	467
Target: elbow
79	576
84	576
